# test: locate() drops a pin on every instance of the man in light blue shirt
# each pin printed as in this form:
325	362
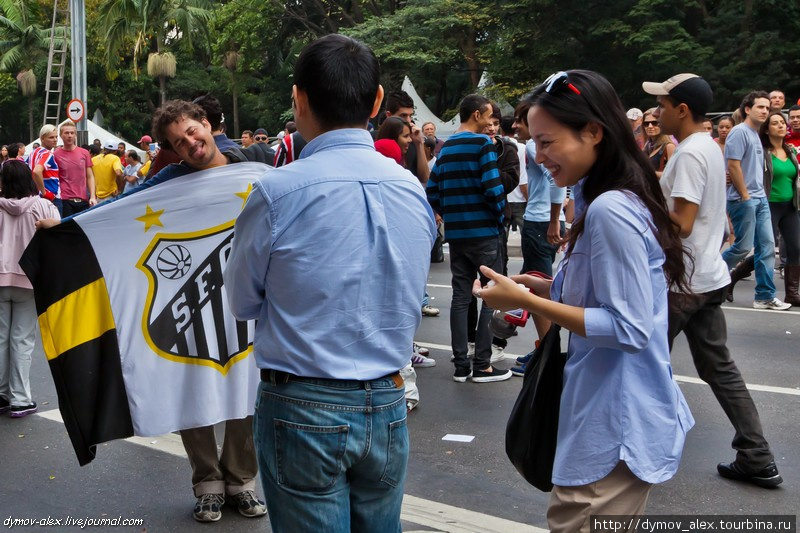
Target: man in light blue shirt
747	202
331	255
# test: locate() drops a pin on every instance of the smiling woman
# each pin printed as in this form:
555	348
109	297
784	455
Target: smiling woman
611	292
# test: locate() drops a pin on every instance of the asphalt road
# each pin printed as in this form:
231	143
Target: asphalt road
451	486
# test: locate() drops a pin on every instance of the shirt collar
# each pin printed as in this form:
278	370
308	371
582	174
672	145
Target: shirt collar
334	139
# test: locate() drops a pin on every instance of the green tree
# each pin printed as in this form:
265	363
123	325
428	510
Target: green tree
153	27
23	43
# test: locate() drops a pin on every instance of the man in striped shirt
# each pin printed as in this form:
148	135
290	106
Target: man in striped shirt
465	189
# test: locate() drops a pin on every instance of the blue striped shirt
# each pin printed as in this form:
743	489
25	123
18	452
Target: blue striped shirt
465	188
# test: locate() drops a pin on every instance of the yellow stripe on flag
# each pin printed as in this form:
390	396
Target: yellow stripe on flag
79	317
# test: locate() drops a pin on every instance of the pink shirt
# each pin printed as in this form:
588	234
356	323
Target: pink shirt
72	166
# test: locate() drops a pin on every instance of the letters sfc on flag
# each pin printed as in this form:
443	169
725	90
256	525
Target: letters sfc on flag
133	313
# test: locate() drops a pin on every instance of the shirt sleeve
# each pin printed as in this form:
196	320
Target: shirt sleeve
490	180
735	145
621	275
117	165
557	194
690	178
432	188
246	271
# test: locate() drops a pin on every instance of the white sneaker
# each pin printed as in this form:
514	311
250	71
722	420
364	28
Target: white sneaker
420	350
498	354
420	361
427	310
772	305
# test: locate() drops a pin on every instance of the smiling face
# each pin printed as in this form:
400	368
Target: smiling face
652	128
568	155
794	120
404	140
192	141
521	129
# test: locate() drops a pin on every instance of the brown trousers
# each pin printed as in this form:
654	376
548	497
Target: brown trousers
233	471
620	493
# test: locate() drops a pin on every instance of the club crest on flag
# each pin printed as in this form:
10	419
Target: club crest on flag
186	318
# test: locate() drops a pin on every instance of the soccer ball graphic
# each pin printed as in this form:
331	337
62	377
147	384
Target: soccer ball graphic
174	261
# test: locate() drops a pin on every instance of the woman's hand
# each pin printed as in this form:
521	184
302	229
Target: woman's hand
501	293
47	223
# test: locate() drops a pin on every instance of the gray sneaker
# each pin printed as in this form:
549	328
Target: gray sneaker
247	504
208	507
772	305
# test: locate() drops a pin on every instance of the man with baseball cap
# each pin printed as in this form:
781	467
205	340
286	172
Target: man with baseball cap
693	183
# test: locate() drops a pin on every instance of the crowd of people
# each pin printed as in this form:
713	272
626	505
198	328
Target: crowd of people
641	204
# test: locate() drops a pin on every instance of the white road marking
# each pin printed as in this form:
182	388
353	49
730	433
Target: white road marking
683	379
446	518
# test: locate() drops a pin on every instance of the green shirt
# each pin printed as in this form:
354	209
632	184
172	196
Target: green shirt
784	174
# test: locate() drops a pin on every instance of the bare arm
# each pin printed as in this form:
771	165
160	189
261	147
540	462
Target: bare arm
90	186
737	178
554	229
684	214
38	177
524	190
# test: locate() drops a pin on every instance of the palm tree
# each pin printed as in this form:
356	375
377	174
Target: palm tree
22	45
152	26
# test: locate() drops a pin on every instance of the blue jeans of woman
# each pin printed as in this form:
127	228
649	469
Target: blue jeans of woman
332	454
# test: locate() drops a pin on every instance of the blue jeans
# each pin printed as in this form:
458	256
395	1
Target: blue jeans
752	225
332	454
537	253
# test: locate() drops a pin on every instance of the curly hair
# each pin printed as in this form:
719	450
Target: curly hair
172	111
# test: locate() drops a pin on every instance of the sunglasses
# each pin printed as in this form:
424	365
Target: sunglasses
558	81
260	138
650	123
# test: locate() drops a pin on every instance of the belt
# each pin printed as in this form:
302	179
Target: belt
280	377
75	200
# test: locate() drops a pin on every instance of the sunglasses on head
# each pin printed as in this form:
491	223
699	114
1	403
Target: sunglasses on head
260	138
556	82
650	123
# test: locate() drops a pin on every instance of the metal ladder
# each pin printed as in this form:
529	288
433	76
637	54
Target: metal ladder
56	63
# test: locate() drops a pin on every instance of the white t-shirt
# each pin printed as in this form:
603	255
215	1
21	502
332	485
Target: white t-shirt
696	173
515	196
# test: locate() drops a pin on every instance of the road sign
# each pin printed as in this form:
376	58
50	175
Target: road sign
76	110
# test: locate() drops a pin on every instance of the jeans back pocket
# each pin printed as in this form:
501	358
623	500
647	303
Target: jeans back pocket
309	457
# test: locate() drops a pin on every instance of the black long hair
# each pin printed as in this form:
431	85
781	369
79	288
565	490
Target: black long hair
16	180
620	164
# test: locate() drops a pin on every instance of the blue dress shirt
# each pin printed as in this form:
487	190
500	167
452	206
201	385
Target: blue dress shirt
331	255
619	401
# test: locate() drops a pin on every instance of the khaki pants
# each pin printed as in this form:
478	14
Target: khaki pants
233	471
620	493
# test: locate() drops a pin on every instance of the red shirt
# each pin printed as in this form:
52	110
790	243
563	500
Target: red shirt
72	165
793	138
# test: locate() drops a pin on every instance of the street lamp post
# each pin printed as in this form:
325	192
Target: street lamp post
77	19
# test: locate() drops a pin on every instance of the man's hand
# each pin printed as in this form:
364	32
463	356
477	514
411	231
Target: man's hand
554	232
93	201
416	134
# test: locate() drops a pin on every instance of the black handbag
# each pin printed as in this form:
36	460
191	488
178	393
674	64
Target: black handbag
532	428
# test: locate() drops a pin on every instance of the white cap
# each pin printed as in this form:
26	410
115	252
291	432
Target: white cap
110	145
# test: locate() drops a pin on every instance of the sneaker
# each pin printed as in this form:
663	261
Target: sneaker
461	375
767	477
4	406
482	376
420	361
518	370
772	305
208	507
522	360
420	350
18	411
498	354
247	504
427	310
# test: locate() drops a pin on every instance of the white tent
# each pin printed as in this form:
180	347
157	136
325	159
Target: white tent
422	114
95	132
